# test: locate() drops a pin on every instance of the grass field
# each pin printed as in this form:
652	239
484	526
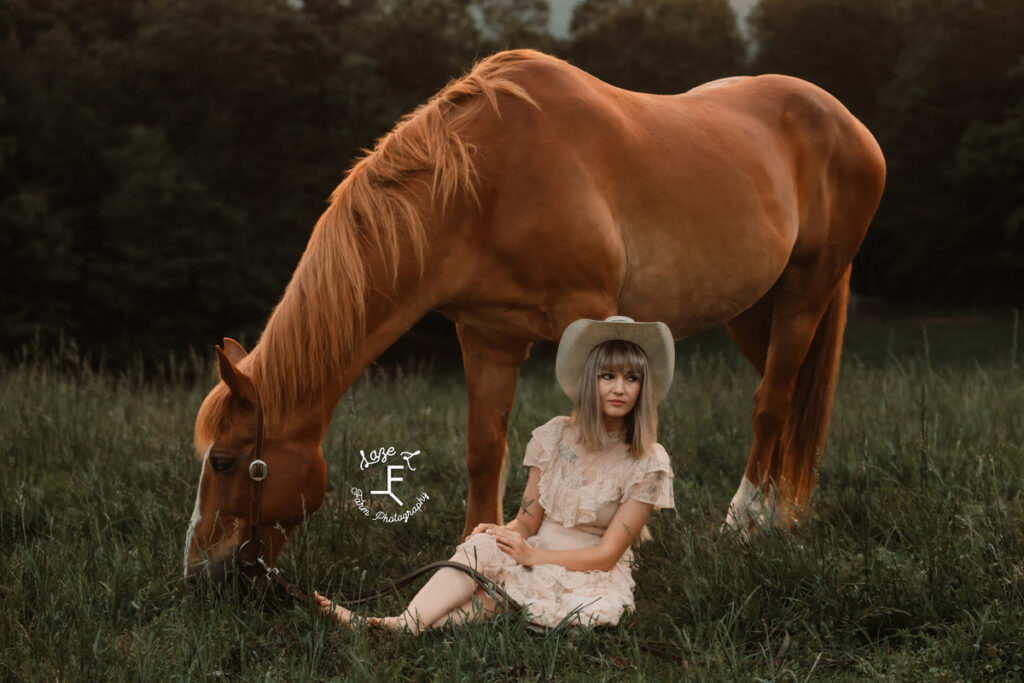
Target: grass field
911	566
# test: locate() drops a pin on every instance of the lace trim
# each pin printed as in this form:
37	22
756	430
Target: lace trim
565	496
653	483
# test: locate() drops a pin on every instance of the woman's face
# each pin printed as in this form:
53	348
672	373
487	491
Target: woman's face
618	391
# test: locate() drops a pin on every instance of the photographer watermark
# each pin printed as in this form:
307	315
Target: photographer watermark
394	475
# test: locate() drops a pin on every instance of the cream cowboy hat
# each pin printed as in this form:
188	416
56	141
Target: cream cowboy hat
580	338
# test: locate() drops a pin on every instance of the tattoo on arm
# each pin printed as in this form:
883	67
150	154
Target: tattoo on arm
524	508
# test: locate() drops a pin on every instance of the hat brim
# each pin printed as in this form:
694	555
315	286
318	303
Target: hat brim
580	338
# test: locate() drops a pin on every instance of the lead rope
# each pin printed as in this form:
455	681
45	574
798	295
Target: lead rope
493	589
258	472
496	592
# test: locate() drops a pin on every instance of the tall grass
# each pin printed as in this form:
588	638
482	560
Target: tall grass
910	566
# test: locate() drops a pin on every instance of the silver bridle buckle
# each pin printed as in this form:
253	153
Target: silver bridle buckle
258	470
270	571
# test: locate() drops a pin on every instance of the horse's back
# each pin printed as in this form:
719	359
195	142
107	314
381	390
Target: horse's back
664	194
576	105
837	167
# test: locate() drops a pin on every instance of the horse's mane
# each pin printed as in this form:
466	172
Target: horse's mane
313	331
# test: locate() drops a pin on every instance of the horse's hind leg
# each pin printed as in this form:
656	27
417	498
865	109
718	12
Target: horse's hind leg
750	332
791	403
492	369
840	176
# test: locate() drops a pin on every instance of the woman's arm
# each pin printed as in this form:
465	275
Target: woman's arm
530	513
629	519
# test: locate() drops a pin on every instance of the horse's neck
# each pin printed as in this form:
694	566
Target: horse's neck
313	383
395	302
386	321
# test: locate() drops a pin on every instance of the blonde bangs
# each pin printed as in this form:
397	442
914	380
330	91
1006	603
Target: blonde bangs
641	423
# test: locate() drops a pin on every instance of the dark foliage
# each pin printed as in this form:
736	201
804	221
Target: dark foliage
662	46
162	161
941	85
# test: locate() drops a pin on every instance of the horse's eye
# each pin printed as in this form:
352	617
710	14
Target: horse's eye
222	463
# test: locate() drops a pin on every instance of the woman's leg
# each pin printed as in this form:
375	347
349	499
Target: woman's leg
479	607
448	591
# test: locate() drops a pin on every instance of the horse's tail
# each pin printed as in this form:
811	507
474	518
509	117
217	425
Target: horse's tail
802	441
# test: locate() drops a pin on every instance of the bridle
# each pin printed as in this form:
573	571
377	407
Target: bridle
249	553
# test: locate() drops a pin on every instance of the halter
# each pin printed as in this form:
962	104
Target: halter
249	552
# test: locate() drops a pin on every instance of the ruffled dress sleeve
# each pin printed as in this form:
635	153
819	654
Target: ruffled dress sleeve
544	444
561	490
653	483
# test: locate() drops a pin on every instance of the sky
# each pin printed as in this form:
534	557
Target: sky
561	13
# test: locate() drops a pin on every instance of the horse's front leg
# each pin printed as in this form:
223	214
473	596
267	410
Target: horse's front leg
492	368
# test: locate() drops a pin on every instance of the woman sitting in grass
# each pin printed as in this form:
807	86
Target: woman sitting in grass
594	478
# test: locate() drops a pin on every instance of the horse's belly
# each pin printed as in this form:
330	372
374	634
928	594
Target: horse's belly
696	279
707	229
685	312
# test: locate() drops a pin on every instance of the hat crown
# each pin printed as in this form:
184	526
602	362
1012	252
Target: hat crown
583	335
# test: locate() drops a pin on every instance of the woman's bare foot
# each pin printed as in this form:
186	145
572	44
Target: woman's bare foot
347	618
344	616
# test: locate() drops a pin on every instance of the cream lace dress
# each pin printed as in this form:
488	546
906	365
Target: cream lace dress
580	491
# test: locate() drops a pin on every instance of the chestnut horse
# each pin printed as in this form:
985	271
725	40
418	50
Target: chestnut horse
521	197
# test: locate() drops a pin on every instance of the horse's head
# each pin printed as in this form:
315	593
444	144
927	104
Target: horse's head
260	476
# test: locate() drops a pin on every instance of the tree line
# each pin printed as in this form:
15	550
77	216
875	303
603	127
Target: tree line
163	161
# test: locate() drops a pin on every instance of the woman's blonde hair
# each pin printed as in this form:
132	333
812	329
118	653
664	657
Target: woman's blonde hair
641	422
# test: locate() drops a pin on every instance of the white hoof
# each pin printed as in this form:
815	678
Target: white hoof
750	510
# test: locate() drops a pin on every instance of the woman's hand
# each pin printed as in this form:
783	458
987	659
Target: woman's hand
513	543
481	528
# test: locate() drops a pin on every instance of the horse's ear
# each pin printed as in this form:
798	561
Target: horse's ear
233	350
240	385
